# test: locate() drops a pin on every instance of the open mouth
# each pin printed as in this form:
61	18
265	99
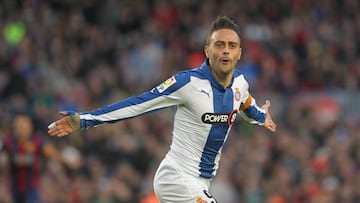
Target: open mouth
225	60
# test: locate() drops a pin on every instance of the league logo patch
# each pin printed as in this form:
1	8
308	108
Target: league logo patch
163	86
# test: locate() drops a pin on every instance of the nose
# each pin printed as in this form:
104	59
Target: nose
226	50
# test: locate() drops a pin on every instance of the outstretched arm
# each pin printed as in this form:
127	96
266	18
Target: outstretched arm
67	125
256	115
168	93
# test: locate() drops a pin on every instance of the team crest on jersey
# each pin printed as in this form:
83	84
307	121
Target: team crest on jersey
237	94
163	86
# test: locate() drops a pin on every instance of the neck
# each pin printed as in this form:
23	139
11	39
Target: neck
223	78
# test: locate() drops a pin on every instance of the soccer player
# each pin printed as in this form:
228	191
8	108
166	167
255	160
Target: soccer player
25	150
207	100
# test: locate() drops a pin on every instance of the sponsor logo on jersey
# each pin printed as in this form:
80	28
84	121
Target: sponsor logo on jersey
237	94
212	118
163	86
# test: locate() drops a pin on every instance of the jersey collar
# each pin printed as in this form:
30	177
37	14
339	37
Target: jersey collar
206	69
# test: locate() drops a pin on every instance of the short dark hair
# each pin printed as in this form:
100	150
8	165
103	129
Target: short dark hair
223	22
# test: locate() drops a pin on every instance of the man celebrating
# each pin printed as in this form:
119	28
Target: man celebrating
207	100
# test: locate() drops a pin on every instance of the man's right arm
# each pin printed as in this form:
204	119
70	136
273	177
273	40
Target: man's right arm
160	97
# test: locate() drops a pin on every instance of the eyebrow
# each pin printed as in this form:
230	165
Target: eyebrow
229	42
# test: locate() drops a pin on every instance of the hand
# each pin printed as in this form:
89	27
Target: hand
269	123
65	126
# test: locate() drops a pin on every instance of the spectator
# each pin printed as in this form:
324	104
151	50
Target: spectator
24	149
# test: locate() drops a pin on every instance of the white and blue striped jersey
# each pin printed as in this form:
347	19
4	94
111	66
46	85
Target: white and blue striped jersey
204	113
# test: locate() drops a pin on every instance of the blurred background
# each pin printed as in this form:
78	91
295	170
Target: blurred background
79	55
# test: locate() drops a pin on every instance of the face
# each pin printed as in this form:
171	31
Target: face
22	126
223	51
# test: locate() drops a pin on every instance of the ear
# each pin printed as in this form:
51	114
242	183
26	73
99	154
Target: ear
206	51
239	57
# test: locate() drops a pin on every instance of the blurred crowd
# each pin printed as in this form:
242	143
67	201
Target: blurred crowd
79	55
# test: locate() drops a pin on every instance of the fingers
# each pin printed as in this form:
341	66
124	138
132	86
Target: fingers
266	105
269	123
67	113
63	113
52	125
60	131
271	126
60	128
64	126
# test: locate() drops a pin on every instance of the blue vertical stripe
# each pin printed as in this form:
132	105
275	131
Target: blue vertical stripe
223	103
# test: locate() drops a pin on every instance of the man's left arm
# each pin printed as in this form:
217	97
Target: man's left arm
250	111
